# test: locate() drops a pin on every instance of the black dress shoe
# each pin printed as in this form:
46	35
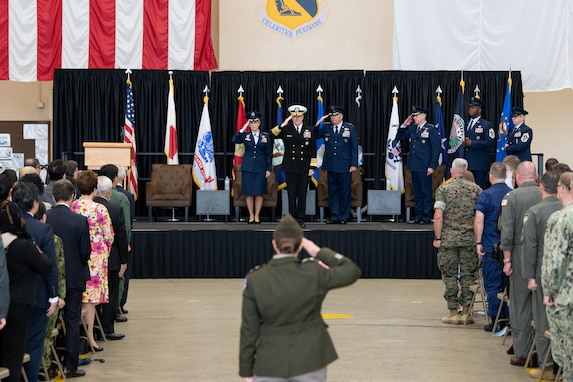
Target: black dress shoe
125	311
415	221
120	319
251	222
510	350
114	336
333	222
343	222
257	222
74	373
98	348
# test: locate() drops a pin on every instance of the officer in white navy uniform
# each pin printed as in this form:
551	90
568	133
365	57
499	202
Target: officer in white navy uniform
425	146
299	160
520	137
480	137
340	160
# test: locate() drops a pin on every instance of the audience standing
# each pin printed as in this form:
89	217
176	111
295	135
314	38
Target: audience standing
556	277
24	260
486	237
454	238
73	229
513	207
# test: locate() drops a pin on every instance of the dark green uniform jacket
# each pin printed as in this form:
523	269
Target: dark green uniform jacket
282	331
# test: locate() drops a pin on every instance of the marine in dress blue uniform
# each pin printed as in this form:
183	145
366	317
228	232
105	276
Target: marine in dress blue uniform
257	163
480	137
299	159
519	138
422	160
340	160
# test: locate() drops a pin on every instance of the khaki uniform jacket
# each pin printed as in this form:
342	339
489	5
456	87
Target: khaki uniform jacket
282	331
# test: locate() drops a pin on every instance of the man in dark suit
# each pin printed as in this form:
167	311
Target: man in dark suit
283	335
117	261
422	159
131	198
340	160
299	160
73	229
56	171
27	196
480	137
520	136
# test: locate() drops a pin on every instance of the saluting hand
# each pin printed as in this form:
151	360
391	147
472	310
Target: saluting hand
310	247
408	121
286	121
244	127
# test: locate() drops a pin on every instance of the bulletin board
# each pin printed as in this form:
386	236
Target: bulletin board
27	144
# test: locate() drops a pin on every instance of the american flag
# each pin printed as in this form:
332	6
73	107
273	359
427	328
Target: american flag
129	136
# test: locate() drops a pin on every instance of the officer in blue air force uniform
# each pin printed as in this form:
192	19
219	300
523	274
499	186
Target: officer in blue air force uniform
519	138
480	137
422	160
256	166
340	160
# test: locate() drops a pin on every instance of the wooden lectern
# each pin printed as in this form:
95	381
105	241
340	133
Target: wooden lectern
98	154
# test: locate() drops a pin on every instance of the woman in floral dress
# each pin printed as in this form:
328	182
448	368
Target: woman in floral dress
101	238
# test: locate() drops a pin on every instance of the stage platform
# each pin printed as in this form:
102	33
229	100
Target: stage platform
230	250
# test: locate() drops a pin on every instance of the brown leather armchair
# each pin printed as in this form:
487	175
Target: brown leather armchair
355	191
270	199
170	187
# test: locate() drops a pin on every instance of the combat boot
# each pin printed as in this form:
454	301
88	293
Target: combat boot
453	318
465	316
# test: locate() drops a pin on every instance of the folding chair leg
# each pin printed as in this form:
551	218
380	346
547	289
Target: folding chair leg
100	327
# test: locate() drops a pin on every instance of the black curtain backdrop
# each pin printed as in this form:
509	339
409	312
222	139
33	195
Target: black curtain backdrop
89	105
418	88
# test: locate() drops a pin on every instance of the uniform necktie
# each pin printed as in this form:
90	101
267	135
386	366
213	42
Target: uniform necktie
337	130
471	125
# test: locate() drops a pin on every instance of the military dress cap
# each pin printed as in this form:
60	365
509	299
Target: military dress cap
297	110
477	102
419	110
334	110
288	228
252	115
516	110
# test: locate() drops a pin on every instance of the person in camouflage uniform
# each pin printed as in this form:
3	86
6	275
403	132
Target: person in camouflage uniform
454	238
557	277
53	319
513	207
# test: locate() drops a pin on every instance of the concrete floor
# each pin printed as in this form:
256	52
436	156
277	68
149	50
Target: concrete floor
188	330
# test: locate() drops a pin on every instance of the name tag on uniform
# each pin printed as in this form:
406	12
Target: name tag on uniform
306	134
248	138
479	130
264	139
346	133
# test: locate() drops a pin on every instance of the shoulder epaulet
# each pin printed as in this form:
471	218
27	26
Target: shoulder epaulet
306	260
256	268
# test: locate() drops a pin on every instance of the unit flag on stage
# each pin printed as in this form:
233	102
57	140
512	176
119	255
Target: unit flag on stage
204	171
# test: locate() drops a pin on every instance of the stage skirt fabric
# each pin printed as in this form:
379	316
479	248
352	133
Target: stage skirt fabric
254	183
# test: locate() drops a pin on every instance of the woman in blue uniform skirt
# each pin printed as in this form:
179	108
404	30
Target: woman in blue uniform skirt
256	166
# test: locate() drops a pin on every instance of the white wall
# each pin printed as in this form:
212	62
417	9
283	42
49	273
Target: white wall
356	35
